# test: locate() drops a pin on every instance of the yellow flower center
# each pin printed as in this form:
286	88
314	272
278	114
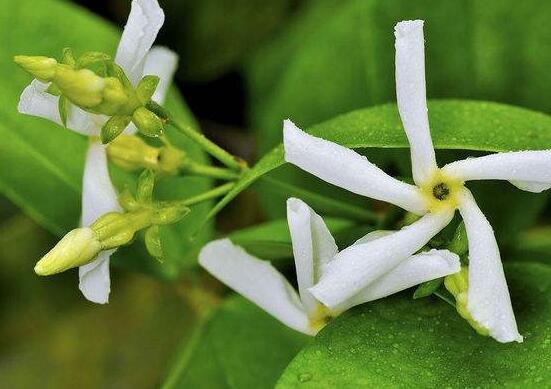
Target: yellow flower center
320	317
441	192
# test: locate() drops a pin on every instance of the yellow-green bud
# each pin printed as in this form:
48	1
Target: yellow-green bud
170	212
127	201
153	242
113	128
41	68
458	285
146	183
131	153
147	122
117	229
115	100
146	88
77	248
83	87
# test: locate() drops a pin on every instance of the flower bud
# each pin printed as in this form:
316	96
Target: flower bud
113	128
146	88
114	99
82	87
131	153
170	212
147	122
146	184
458	285
116	229
77	248
153	242
41	68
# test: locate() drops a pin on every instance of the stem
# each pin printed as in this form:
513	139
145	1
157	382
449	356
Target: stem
211	194
199	169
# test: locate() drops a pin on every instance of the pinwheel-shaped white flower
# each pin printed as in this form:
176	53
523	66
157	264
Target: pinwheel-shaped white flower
437	193
137	58
313	248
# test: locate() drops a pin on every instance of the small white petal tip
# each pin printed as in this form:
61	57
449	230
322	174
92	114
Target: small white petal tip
407	27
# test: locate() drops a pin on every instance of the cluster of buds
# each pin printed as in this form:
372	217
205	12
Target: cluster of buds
96	84
112	230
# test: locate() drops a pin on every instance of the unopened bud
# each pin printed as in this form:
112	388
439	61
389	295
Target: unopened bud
77	248
114	99
117	229
146	88
83	87
458	285
170	212
131	153
113	128
41	68
147	122
153	242
146	183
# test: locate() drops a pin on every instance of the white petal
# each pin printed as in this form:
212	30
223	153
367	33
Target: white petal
413	271
95	283
257	280
98	194
313	247
144	22
488	298
373	235
356	267
347	169
161	62
411	97
530	186
528	170
35	101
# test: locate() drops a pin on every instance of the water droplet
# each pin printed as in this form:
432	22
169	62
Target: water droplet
304	377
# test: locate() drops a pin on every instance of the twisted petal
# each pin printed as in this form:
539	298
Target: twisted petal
94	280
528	170
257	280
411	97
488	298
313	247
161	62
347	169
413	271
35	101
144	22
358	266
98	197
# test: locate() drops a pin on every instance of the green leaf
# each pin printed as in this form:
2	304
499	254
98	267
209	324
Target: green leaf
40	175
427	288
241	347
455	124
334	57
272	240
399	342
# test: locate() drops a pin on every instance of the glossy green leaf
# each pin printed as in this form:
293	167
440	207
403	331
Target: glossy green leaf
43	162
241	347
337	56
399	342
464	125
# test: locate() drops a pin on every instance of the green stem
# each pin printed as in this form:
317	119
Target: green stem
210	147
211	194
199	169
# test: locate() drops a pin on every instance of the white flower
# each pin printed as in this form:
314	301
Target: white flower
436	194
137	59
313	248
